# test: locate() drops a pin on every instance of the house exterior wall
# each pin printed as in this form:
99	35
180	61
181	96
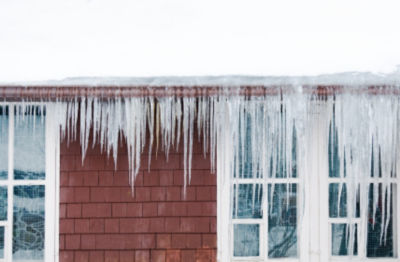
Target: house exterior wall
101	221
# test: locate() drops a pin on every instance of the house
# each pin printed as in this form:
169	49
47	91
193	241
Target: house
255	169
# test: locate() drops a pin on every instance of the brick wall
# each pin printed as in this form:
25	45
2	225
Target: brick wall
101	221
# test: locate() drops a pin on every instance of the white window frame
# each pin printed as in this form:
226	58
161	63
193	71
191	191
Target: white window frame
312	247
51	183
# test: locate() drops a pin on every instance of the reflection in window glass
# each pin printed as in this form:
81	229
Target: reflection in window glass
28	223
3	203
282	221
29	146
3	142
1	242
380	233
248	200
336	210
341	238
246	240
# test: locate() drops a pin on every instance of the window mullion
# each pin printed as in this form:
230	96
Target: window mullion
10	189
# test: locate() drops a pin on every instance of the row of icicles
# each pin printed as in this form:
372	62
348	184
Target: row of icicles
269	133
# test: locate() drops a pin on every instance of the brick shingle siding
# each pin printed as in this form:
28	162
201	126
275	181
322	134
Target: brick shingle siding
101	221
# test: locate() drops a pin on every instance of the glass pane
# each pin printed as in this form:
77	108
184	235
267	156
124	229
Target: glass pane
1	242
380	223
333	150
282	220
3	203
248	200
244	167
28	224
246	240
29	145
3	143
336	210
341	239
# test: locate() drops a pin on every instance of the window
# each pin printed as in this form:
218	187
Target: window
28	184
309	214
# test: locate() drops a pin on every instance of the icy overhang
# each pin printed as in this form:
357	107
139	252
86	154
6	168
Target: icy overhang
200	86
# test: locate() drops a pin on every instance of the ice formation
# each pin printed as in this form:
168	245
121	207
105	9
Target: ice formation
362	126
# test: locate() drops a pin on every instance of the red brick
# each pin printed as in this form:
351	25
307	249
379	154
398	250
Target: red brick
199	162
72	241
139	179
64	179
209	241
178	177
132	241
81	225
105	194
81	256
96	225
90	163
106	178
204	193
66	256
61	242
81	194
161	163
148	241
158	256
66	226
213	225
126	256
119	210
111	256
66	195
172	209
96	256
71	148
142	194
75	179
157	224
67	163
63	211
195	209
134	210
149	209
163	241
121	178
173	256
193	241
90	179
188	255
166	178
197	178
112	225
158	194
151	179
88	242
189	194
209	209
178	241
203	255
126	194
142	256
74	210
210	179
134	225
174	193
96	210
172	224
110	241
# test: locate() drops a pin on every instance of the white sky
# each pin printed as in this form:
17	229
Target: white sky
54	39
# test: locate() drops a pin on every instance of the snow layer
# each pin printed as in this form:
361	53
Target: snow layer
48	39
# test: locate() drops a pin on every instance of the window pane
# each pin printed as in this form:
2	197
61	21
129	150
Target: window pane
247	240
336	210
3	142
28	224
341	237
3	203
248	200
282	220
1	242
380	228
29	145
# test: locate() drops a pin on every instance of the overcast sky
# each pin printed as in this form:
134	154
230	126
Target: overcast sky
53	39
